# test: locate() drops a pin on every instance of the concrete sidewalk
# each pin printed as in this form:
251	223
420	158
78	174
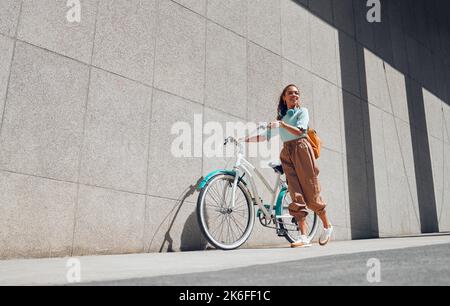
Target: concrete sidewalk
120	267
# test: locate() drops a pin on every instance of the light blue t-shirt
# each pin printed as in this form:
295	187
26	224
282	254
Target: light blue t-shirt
298	117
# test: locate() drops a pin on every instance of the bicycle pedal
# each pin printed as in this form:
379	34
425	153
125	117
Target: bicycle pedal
281	232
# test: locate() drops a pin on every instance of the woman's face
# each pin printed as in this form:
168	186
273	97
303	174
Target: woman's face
292	97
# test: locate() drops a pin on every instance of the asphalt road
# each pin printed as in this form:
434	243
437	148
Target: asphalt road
424	266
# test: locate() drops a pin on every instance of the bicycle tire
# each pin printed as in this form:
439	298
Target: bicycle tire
244	200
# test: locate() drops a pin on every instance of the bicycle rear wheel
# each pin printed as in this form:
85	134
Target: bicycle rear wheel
289	224
225	227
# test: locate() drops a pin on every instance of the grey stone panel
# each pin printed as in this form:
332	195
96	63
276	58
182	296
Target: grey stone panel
264	84
108	222
198	6
421	21
404	218
343	16
44	23
440	75
175	166
361	56
293	74
215	155
6	53
372	227
9	14
400	53
324	50
394	161
401	176
382	35
448	84
333	191
264	24
377	82
231	14
36	216
444	214
355	167
327	113
349	64
409	22
364	30
414	59
172	226
416	105
445	39
422	171
43	124
426	186
296	36
381	178
435	38
125	38
438	169
426	66
446	122
116	135
180	52
396	13
407	150
396	84
226	71
322	9
434	114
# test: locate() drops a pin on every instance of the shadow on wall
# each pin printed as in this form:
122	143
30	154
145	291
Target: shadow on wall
422	158
191	237
359	35
358	137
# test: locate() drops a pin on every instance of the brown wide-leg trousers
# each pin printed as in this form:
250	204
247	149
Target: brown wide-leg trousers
300	166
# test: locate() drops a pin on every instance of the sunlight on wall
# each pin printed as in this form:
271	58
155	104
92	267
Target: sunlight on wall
393	159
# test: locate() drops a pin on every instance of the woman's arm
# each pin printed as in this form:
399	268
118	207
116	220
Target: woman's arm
258	138
292	129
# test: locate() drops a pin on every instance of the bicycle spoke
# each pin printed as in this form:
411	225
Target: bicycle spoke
212	200
213	197
217	196
236	222
219	226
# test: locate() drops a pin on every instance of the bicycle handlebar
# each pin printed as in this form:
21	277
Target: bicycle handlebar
238	142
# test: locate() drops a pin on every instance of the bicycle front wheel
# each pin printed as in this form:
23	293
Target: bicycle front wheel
225	227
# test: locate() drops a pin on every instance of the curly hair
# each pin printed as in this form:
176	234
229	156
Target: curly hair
282	107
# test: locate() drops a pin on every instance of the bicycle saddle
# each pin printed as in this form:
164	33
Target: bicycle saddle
277	167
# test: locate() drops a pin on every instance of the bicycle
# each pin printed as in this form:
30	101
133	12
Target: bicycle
232	195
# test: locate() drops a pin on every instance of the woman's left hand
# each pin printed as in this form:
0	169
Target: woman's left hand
275	124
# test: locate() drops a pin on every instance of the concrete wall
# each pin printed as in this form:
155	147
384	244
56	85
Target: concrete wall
86	111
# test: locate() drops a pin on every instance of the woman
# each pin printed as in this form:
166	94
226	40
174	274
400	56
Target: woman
299	164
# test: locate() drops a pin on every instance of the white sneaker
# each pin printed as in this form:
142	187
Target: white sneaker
326	235
304	242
